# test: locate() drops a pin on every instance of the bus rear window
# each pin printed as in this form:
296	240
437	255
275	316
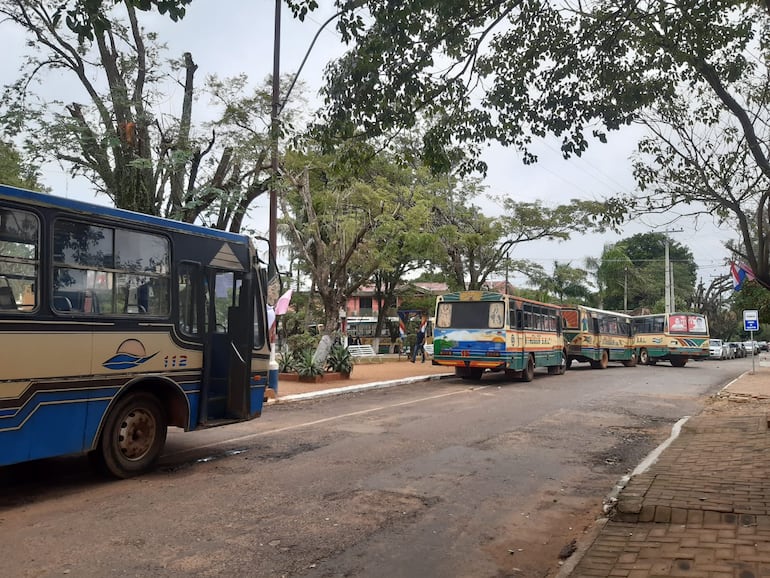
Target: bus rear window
687	324
471	315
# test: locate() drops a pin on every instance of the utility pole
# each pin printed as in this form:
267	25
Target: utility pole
669	286
625	290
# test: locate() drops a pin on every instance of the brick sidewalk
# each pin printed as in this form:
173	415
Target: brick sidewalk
703	508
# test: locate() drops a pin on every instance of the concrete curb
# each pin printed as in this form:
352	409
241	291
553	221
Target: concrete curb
357	388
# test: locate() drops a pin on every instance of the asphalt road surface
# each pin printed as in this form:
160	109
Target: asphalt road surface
447	478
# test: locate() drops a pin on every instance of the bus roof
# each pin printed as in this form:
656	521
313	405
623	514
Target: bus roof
488	296
45	200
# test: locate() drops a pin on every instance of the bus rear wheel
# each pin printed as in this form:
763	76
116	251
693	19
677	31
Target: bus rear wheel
133	436
678	361
528	373
602	362
560	369
474	373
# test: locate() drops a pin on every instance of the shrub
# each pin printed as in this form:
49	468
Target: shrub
339	359
304	364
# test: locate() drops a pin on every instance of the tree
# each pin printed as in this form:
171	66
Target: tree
646	253
86	18
14	171
566	284
692	71
330	217
478	246
118	138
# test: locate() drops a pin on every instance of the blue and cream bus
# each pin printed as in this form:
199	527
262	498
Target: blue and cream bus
476	331
115	325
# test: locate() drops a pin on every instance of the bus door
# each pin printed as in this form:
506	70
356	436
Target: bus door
229	308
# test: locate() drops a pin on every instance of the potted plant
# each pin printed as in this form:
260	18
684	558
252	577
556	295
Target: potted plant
340	360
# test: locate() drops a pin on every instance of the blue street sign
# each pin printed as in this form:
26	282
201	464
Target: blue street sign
750	320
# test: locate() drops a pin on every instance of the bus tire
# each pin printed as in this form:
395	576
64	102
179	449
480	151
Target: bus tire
602	362
133	436
632	361
559	369
563	365
678	361
644	357
474	373
528	373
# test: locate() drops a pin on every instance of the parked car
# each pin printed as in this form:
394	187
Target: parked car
738	349
717	349
752	347
763	346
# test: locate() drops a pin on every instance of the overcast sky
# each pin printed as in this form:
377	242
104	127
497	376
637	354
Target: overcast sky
228	38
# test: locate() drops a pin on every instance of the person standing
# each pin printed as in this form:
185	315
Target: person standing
419	344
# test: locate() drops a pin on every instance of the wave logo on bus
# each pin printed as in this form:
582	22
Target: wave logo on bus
131	353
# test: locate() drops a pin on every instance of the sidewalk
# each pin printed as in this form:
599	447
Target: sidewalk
702	508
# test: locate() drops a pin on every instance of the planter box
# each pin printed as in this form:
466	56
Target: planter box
331	376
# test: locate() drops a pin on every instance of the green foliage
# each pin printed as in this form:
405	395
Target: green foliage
339	359
207	172
305	365
13	170
691	72
302	341
87	19
566	284
638	263
286	361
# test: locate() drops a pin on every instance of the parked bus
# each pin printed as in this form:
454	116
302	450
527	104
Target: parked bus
478	330
676	337
597	336
115	325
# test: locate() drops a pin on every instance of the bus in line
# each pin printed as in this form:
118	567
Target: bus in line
597	336
673	337
115	325
477	331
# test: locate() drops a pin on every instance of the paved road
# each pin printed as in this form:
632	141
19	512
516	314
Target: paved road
445	478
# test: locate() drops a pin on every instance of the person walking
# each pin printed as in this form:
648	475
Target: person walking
419	344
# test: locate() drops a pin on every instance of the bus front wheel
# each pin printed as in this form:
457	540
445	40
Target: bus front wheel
644	357
133	436
632	361
528	373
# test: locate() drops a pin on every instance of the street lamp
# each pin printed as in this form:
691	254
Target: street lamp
272	267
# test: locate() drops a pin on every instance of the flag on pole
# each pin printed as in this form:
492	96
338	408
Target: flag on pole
282	305
739	273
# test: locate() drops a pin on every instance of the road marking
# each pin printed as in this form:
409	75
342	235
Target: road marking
320	421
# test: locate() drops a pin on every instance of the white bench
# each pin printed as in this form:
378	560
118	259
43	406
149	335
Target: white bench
360	350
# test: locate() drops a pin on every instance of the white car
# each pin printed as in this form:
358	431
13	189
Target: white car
717	349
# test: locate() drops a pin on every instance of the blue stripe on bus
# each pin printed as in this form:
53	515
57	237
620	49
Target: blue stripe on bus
90	209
